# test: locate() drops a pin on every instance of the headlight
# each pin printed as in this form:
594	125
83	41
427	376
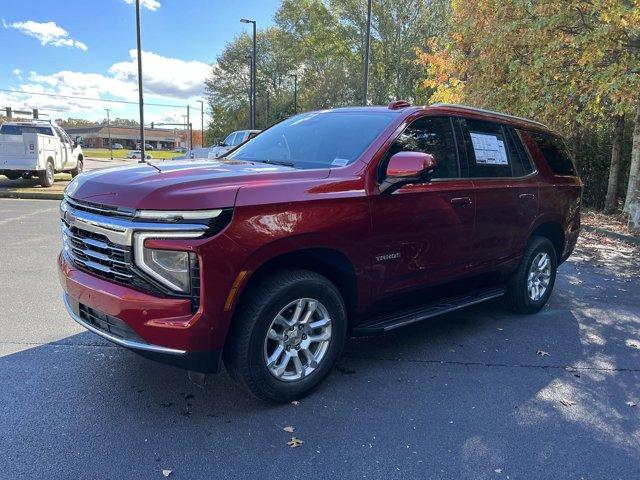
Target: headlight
177	216
169	267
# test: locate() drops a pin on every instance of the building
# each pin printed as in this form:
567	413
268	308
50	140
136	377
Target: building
98	137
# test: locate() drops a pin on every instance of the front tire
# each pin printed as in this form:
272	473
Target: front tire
286	335
530	286
46	177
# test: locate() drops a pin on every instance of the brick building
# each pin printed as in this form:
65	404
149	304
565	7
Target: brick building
98	137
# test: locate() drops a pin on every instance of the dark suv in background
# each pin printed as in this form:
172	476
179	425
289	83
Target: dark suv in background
330	223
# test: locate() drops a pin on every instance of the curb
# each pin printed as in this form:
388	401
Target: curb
31	195
610	234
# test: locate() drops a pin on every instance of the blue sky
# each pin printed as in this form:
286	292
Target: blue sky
87	48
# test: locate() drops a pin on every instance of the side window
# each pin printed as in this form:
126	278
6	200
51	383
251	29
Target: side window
229	139
486	148
520	161
63	136
239	138
432	135
251	135
555	152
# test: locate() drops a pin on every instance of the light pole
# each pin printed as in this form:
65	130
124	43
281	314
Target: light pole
253	74
143	157
201	122
109	129
367	47
190	129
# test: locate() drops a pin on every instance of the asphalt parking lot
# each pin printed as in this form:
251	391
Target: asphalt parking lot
477	394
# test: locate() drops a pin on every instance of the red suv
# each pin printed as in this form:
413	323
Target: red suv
330	223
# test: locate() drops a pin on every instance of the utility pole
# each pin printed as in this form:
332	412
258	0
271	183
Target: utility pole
367	47
295	92
190	129
201	122
109	129
143	157
184	127
253	74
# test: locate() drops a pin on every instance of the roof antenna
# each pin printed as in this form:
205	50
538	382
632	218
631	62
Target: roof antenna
152	165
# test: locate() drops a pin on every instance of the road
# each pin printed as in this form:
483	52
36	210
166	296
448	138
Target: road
471	395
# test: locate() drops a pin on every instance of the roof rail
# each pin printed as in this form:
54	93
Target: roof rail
491	112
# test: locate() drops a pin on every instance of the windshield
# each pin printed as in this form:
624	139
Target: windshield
20	129
316	140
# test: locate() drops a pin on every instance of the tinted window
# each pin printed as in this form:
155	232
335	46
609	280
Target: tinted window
316	140
20	129
430	135
520	162
486	147
556	153
229	139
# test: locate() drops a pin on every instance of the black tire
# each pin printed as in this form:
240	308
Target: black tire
46	177
79	168
244	353
518	298
12	175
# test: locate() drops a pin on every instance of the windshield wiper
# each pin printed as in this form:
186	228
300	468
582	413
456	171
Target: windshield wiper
276	162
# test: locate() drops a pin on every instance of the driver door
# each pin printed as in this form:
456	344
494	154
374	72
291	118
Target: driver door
66	151
424	232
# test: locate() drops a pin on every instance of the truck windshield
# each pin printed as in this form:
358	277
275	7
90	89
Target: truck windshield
20	129
315	140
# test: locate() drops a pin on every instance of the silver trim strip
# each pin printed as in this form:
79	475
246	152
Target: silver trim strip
119	341
120	231
491	112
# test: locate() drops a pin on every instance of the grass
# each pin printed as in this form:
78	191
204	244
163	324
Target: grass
104	153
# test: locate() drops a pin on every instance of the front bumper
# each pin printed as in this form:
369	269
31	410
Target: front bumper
162	329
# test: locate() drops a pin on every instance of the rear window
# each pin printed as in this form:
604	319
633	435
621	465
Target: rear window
555	152
20	129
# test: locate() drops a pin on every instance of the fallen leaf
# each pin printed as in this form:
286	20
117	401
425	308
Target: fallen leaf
498	470
295	442
295	403
567	402
167	472
289	429
631	404
542	353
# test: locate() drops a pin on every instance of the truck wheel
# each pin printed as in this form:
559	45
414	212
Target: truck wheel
531	284
79	168
286	335
46	176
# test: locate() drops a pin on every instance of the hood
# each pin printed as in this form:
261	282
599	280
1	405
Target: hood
187	185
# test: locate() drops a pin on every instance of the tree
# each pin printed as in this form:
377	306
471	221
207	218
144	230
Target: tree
611	199
74	122
570	63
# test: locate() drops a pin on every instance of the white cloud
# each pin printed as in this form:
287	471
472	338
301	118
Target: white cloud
16	72
152	5
166	80
47	33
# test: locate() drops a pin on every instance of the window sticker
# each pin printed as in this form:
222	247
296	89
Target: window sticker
489	149
339	162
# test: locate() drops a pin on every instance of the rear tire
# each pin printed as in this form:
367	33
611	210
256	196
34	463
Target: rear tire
46	177
79	168
266	323
530	286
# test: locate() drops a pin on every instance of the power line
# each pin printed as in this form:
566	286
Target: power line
76	97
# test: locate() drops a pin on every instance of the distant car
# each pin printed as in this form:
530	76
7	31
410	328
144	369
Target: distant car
180	150
232	141
138	154
147	146
117	146
196	153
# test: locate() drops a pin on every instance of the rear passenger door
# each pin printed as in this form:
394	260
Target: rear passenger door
506	190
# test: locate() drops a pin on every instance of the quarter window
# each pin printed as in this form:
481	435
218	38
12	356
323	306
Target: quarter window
432	135
555	152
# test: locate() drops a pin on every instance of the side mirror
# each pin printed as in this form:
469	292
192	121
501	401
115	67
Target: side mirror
408	167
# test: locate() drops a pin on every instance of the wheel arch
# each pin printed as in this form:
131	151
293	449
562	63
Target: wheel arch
555	233
326	261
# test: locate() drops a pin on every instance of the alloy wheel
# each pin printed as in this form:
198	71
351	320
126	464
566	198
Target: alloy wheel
539	276
297	340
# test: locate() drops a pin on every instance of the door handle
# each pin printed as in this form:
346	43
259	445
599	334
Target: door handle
527	196
461	201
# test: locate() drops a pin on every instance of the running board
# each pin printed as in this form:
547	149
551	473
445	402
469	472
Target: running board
384	323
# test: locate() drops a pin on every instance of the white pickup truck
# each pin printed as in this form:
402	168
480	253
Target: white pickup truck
37	148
